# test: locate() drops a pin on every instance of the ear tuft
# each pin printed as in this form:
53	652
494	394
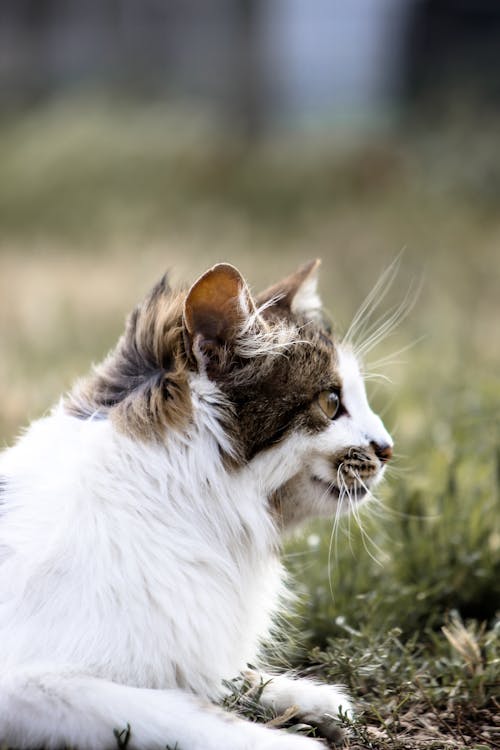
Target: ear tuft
296	294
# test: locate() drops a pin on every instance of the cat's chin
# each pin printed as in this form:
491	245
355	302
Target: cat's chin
356	494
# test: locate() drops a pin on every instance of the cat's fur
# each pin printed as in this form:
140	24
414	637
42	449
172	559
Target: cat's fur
141	521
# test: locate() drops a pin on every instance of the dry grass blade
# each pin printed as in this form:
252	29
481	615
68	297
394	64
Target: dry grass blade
284	718
465	643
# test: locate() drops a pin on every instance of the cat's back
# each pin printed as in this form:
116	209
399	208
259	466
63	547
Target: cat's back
43	480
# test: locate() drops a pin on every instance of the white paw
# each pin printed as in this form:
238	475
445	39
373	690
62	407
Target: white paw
322	705
315	703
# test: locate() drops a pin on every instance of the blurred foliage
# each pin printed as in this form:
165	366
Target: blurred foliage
78	167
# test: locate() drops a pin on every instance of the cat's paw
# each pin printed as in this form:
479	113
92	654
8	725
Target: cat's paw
322	706
314	703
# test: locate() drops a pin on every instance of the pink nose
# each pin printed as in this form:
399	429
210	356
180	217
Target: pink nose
383	452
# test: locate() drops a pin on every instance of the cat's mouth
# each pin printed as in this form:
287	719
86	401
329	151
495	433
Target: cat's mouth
356	491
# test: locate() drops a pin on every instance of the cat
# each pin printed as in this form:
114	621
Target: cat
141	521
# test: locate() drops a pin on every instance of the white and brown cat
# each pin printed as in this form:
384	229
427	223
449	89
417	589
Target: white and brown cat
140	523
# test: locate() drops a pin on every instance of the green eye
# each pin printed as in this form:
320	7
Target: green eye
329	402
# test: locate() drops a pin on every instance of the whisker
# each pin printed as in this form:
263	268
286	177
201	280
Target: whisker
387	323
332	543
348	494
334	532
380	327
398	471
416	516
365	537
377	376
373	299
374	500
389	358
364	333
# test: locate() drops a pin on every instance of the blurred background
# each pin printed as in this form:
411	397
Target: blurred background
139	135
144	135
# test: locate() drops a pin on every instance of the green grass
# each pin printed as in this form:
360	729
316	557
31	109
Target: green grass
96	202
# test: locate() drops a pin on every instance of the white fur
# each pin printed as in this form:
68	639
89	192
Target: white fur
134	575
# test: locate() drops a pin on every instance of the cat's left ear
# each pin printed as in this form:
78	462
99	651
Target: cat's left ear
217	310
297	294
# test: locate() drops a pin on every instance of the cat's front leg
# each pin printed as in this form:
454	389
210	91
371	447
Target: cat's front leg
316	703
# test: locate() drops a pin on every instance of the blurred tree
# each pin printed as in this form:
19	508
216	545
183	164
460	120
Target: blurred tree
249	85
454	53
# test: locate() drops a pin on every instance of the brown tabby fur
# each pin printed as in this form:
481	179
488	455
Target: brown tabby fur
142	385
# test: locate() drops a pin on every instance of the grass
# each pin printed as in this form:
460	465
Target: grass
96	202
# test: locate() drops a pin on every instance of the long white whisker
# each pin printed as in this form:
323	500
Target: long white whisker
378	328
349	515
386	324
373	300
346	493
377	376
333	542
364	336
389	359
365	537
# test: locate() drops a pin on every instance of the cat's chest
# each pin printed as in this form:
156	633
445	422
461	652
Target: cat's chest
199	613
198	597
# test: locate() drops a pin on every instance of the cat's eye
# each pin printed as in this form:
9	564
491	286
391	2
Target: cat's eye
329	402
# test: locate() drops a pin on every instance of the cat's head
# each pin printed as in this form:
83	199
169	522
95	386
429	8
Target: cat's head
285	394
295	390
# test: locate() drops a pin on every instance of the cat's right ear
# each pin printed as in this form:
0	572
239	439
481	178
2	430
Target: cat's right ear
296	294
217	309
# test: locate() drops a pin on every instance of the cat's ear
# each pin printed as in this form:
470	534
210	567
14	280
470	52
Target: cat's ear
297	294
218	307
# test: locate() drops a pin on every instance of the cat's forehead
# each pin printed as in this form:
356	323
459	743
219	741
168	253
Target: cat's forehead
309	356
314	354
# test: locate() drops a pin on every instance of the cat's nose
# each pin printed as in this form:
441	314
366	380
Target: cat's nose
383	451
